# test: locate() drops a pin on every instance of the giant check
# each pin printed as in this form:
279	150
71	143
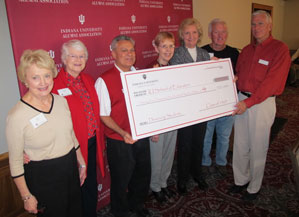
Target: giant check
168	98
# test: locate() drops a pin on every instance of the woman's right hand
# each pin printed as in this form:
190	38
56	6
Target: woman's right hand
30	205
214	58
26	158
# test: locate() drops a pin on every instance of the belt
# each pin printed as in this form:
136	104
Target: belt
249	94
246	94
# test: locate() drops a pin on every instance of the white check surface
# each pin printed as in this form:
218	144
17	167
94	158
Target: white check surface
168	98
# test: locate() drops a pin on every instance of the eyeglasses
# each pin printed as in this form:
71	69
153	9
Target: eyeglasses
81	57
167	46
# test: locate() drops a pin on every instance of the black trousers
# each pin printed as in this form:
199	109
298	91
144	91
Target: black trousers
190	148
89	189
55	184
130	171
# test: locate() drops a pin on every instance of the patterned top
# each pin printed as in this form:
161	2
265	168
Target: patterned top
81	90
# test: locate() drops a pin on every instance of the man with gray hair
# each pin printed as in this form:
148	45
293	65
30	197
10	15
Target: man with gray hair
129	160
262	70
218	34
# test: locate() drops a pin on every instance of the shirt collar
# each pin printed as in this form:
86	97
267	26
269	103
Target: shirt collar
72	79
265	42
132	68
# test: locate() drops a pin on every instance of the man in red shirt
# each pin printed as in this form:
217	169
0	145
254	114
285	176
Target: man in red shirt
262	70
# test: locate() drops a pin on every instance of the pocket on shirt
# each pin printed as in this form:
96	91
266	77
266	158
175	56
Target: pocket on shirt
261	71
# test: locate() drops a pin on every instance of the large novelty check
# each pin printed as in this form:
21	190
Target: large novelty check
168	98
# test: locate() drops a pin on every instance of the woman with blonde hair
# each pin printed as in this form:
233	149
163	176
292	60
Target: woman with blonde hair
40	125
190	139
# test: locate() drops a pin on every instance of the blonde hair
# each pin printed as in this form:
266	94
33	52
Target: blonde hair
161	36
189	22
40	58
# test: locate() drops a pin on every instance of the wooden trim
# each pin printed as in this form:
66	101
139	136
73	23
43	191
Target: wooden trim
267	8
3	159
11	204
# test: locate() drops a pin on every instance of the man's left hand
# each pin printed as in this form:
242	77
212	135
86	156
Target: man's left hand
240	108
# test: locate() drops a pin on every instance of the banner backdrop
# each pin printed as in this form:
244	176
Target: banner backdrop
47	24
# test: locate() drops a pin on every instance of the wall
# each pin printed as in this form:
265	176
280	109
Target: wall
9	92
237	14
291	24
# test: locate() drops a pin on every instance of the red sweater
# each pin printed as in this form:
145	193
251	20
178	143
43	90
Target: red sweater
118	105
262	70
78	115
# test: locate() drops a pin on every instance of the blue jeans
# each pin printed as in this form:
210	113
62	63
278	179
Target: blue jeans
223	127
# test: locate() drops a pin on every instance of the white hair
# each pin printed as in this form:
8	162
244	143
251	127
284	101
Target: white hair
268	16
76	44
213	22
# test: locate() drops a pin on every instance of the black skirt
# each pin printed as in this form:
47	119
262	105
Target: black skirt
55	184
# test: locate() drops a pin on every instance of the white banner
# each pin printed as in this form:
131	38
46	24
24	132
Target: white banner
168	98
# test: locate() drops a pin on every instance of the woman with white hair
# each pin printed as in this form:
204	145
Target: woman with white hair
78	89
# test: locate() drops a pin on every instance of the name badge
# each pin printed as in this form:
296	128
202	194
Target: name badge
264	62
64	92
38	120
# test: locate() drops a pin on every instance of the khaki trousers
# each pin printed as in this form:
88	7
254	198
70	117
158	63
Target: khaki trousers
251	142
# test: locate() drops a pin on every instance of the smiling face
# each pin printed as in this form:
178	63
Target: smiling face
75	61
218	36
190	36
39	81
165	51
124	55
260	27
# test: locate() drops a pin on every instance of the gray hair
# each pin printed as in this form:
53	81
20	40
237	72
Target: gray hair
76	44
213	22
268	16
120	38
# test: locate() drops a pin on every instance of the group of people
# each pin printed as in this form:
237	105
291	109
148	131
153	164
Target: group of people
58	127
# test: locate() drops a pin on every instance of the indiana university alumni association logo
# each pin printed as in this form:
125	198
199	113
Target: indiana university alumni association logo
100	187
51	54
133	18
81	19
